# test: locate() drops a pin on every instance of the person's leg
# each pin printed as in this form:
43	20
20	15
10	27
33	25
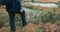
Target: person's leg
12	22
22	13
23	18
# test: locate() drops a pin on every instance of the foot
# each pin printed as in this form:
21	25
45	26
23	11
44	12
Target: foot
12	31
24	24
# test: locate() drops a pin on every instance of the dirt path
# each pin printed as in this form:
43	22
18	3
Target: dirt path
33	28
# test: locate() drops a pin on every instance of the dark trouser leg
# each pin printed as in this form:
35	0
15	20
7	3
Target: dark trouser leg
23	18
12	21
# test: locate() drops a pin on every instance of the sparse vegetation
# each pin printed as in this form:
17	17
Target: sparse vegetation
35	18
